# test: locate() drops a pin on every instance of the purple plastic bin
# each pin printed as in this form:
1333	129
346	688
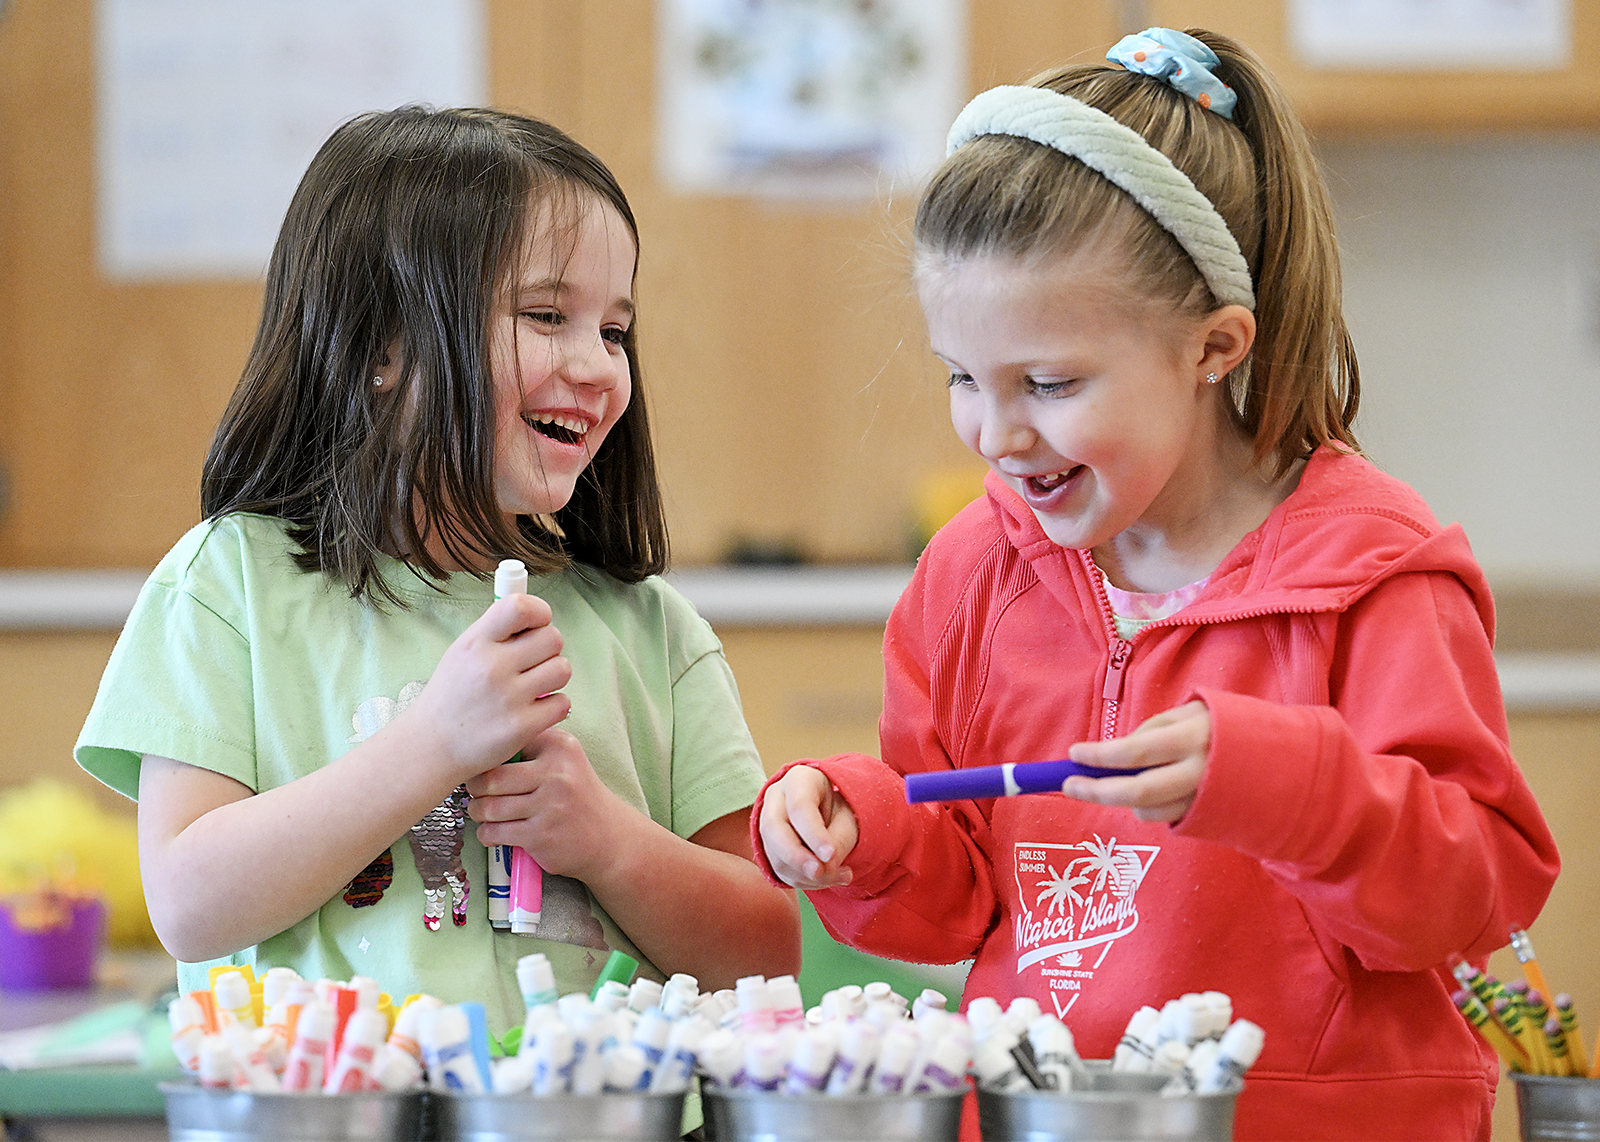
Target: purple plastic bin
45	959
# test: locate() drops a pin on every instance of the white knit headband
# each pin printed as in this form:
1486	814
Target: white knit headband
1122	156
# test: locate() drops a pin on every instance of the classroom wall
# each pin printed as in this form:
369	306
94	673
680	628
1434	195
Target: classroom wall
791	391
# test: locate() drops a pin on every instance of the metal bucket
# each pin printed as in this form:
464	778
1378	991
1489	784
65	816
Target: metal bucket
1557	1108
756	1116
199	1114
1115	1106
557	1118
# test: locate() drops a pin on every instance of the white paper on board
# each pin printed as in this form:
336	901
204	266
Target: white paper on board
1432	35
794	99
210	110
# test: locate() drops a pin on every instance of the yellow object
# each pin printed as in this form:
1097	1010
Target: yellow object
56	839
941	494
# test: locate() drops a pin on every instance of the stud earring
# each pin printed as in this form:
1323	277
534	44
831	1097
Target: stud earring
1211	378
377	382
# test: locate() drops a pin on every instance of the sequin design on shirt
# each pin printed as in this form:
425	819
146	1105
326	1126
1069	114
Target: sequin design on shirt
435	840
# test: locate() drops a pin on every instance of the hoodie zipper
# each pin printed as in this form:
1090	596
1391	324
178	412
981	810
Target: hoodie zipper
1116	665
1111	692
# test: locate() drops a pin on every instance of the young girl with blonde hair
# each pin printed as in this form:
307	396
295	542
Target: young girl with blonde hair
1184	569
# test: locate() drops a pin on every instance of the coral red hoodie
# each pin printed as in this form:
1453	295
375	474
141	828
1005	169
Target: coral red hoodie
1360	819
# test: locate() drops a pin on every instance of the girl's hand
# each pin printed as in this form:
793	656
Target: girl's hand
553	804
1175	742
807	830
494	690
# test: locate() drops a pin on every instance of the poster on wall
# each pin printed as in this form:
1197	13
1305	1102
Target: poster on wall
798	99
208	112
1432	35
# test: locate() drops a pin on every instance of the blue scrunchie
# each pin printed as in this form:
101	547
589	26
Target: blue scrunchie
1182	61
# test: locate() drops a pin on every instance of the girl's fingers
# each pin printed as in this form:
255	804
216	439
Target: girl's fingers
512	615
1165	785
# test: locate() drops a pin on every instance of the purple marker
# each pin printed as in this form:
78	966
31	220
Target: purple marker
1006	780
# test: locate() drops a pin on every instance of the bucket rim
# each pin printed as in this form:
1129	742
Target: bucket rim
745	1095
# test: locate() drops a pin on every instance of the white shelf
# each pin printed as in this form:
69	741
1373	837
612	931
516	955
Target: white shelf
732	597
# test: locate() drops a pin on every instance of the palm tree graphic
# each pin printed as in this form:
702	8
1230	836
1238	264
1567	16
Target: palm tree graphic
1058	886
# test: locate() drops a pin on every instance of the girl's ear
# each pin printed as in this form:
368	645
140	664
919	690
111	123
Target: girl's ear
1225	339
386	371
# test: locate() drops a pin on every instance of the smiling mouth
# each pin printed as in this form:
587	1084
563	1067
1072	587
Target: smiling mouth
1043	485
561	429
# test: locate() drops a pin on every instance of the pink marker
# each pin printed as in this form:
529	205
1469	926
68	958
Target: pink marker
527	878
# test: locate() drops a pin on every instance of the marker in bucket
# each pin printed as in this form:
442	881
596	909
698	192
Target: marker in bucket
1006	780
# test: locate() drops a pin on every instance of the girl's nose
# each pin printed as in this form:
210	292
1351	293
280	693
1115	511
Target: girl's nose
1003	433
591	360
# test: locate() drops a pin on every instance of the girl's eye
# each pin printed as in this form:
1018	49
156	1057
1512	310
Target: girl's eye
615	334
544	316
1050	388
960	381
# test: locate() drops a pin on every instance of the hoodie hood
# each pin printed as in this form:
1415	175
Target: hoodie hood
1344	529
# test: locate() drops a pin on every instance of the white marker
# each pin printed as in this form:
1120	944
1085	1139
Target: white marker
591	1029
452	1063
722	1059
513	1074
996	1068
307	1054
895	1053
1054	1052
536	979
814	1054
946	1068
627	1072
234	1001
644	993
553	1055
1218	1012
858	1051
249	1060
1138	1043
756	1014
763	1062
929	1000
396	1069
363	1035
405	1036
215	1066
676	1069
984	1013
1237	1052
523	892
188	1030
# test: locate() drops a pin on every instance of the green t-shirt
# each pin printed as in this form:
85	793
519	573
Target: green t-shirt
236	661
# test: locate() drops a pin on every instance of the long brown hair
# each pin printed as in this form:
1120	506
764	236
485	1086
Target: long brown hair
1300	386
405	231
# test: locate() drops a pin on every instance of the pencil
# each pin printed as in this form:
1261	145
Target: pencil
1494	1034
1556	1040
1569	1026
1531	1039
1523	947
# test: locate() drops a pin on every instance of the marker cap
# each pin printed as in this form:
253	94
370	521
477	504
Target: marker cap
510	578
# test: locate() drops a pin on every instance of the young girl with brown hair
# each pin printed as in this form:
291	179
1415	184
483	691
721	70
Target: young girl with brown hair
316	690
